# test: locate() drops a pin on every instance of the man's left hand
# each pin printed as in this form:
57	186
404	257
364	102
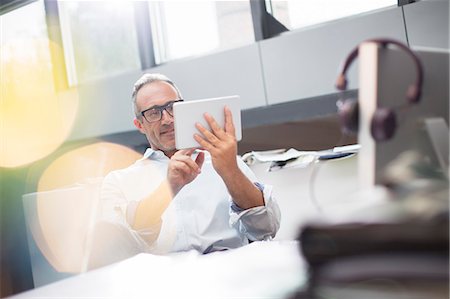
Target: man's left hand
220	143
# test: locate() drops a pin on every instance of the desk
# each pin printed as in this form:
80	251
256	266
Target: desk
259	270
335	190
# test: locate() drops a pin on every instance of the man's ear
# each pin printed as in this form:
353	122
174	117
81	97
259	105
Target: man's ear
138	125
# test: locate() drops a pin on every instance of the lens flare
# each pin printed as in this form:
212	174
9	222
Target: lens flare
35	118
85	163
62	214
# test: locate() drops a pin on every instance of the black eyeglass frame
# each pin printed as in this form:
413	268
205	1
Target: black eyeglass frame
160	109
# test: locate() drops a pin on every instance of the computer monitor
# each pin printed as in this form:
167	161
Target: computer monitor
384	76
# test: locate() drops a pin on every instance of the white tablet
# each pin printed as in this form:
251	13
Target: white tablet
187	113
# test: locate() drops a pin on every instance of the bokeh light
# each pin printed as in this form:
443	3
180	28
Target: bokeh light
63	212
86	163
35	117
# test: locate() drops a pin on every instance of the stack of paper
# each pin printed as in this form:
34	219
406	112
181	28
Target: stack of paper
292	158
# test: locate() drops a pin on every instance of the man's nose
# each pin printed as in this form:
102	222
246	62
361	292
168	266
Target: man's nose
166	117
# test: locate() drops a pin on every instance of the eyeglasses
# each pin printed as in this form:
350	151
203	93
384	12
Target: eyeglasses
155	113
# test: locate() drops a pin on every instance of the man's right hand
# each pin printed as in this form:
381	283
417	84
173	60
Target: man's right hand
182	169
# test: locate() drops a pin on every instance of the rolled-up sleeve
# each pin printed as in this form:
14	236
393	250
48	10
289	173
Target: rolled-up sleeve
258	223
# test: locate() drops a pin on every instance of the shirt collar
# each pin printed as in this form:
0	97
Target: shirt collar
159	155
151	153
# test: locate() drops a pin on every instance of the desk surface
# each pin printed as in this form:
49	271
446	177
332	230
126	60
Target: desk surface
331	182
259	270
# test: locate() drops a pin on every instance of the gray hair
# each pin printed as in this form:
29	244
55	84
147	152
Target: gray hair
148	79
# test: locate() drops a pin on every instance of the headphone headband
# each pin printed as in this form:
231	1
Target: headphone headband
414	91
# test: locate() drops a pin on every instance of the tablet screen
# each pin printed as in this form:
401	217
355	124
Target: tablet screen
187	113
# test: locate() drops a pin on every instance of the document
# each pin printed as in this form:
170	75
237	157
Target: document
293	158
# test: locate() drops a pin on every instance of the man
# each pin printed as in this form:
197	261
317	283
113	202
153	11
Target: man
177	200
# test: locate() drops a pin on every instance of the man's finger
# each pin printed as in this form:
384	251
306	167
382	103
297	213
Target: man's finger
206	145
207	134
215	128
229	126
185	152
188	161
200	159
179	166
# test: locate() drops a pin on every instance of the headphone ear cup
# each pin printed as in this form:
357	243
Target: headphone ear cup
349	115
383	124
413	94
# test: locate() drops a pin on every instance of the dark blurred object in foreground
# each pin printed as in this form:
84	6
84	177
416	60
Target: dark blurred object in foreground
406	257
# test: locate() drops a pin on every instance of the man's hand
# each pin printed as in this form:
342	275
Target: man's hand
220	143
182	169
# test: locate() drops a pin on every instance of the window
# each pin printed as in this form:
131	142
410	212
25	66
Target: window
34	119
301	13
99	39
187	28
20	26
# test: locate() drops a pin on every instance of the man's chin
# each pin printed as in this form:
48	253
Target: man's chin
164	144
169	145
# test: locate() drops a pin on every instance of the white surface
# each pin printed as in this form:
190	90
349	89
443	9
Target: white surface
188	113
317	192
258	270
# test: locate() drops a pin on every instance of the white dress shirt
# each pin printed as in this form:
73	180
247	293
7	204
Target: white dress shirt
202	216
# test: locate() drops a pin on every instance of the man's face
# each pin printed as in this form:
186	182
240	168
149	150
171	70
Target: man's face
160	134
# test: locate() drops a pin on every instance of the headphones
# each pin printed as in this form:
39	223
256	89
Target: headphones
384	120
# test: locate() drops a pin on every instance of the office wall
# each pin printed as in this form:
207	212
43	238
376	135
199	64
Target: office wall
428	23
296	65
305	63
237	71
105	106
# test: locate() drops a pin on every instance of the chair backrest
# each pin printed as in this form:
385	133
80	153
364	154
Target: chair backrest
59	227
